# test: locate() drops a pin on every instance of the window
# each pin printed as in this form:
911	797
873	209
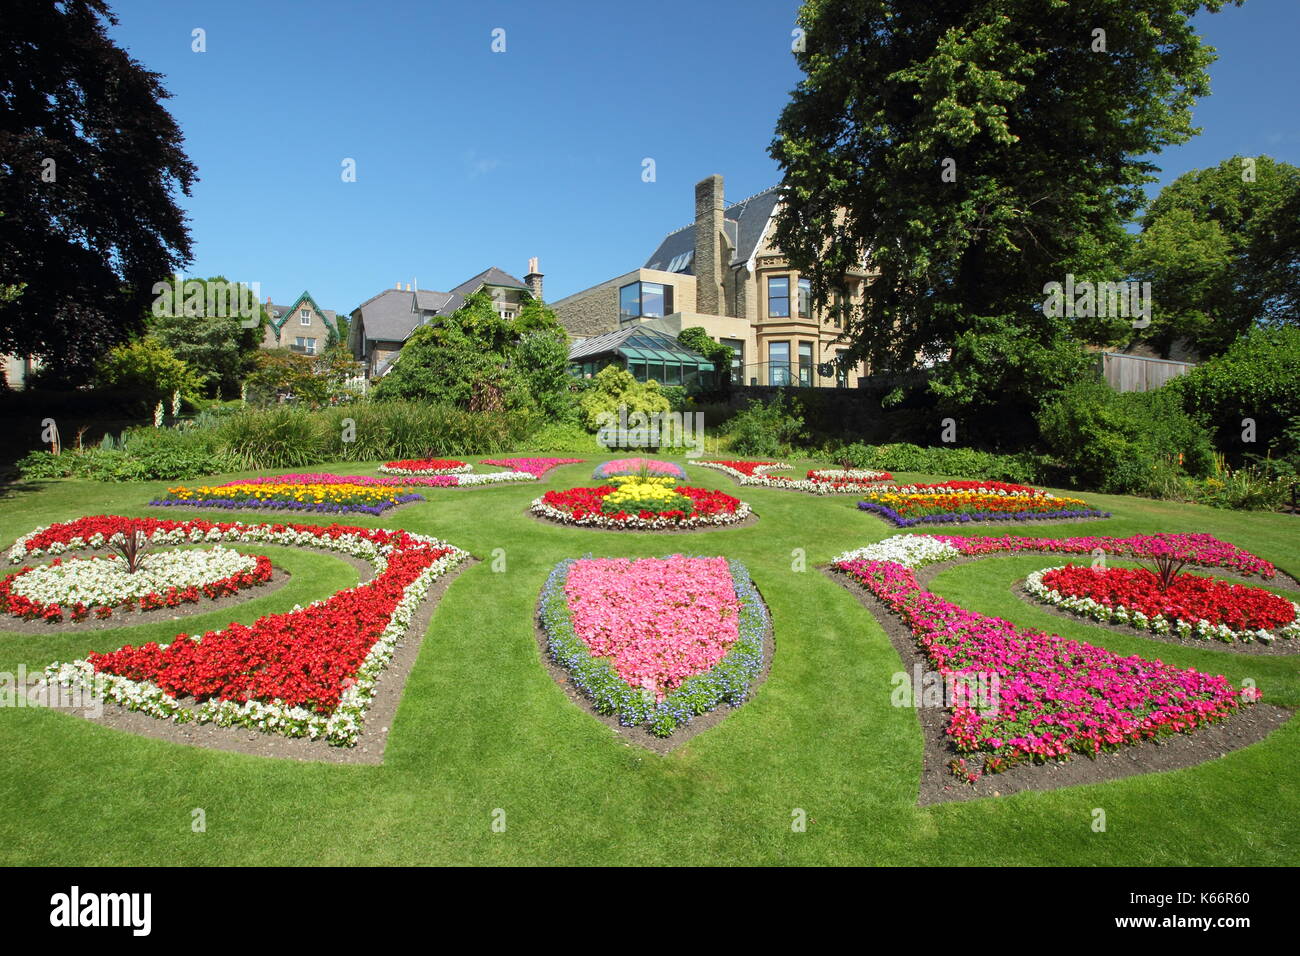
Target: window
806	364
304	317
737	360
839	302
778	298
306	345
805	298
506	314
649	299
778	363
841	369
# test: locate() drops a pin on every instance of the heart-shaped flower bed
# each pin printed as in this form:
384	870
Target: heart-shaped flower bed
655	641
1193	605
309	672
80	587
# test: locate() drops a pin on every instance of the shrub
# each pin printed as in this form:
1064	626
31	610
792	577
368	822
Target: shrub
766	429
1023	468
613	387
1257	378
277	437
1124	443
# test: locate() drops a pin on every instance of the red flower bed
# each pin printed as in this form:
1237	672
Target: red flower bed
580	502
19	606
994	487
303	658
1191	597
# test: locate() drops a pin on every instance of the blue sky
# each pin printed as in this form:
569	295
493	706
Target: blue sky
467	158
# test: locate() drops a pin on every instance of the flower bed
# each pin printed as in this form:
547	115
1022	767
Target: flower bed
1194	606
959	502
386	481
655	641
636	466
310	672
425	466
818	481
532	466
1057	697
337	497
636	504
80	587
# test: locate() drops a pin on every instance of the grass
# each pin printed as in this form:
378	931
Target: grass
482	727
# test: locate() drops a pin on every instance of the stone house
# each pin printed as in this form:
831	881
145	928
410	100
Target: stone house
381	325
302	327
724	274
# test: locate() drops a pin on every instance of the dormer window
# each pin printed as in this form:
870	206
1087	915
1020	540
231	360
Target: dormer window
304	317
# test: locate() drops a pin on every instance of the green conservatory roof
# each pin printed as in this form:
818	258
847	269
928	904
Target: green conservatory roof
638	344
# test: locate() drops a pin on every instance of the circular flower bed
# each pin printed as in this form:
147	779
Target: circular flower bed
648	467
80	587
1193	606
425	466
645	504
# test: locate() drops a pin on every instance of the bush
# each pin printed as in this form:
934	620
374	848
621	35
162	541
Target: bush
1124	442
614	387
766	430
1258	378
1023	468
141	454
277	437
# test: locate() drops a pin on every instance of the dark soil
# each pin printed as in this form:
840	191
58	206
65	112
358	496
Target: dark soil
639	735
379	717
938	785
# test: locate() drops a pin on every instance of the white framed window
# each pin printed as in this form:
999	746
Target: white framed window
506	314
304	317
305	345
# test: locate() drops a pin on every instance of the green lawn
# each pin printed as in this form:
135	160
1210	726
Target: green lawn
483	727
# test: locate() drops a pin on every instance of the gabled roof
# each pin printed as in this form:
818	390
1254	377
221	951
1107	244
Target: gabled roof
280	313
490	276
744	223
638	343
388	316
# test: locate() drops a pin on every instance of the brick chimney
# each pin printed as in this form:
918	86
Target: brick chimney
534	279
708	245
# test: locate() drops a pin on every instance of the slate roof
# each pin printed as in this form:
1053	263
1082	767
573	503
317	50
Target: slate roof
388	316
491	276
744	223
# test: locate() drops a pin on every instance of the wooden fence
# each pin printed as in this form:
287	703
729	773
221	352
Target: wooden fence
1137	373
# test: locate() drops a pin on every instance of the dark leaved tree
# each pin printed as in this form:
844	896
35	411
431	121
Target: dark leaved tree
90	164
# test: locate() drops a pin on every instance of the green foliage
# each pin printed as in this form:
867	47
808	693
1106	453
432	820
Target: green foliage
960	462
543	358
1258	378
1124	442
142	454
217	348
613	387
766	429
146	367
696	339
1223	249
472	360
1049	146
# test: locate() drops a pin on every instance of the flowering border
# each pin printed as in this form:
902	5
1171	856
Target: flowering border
425	466
759	477
729	681
665	469
342	726
1157	624
19	606
964	517
638	522
1177	700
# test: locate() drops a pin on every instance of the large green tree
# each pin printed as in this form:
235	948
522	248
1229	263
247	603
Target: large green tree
973	151
1221	248
218	348
90	164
